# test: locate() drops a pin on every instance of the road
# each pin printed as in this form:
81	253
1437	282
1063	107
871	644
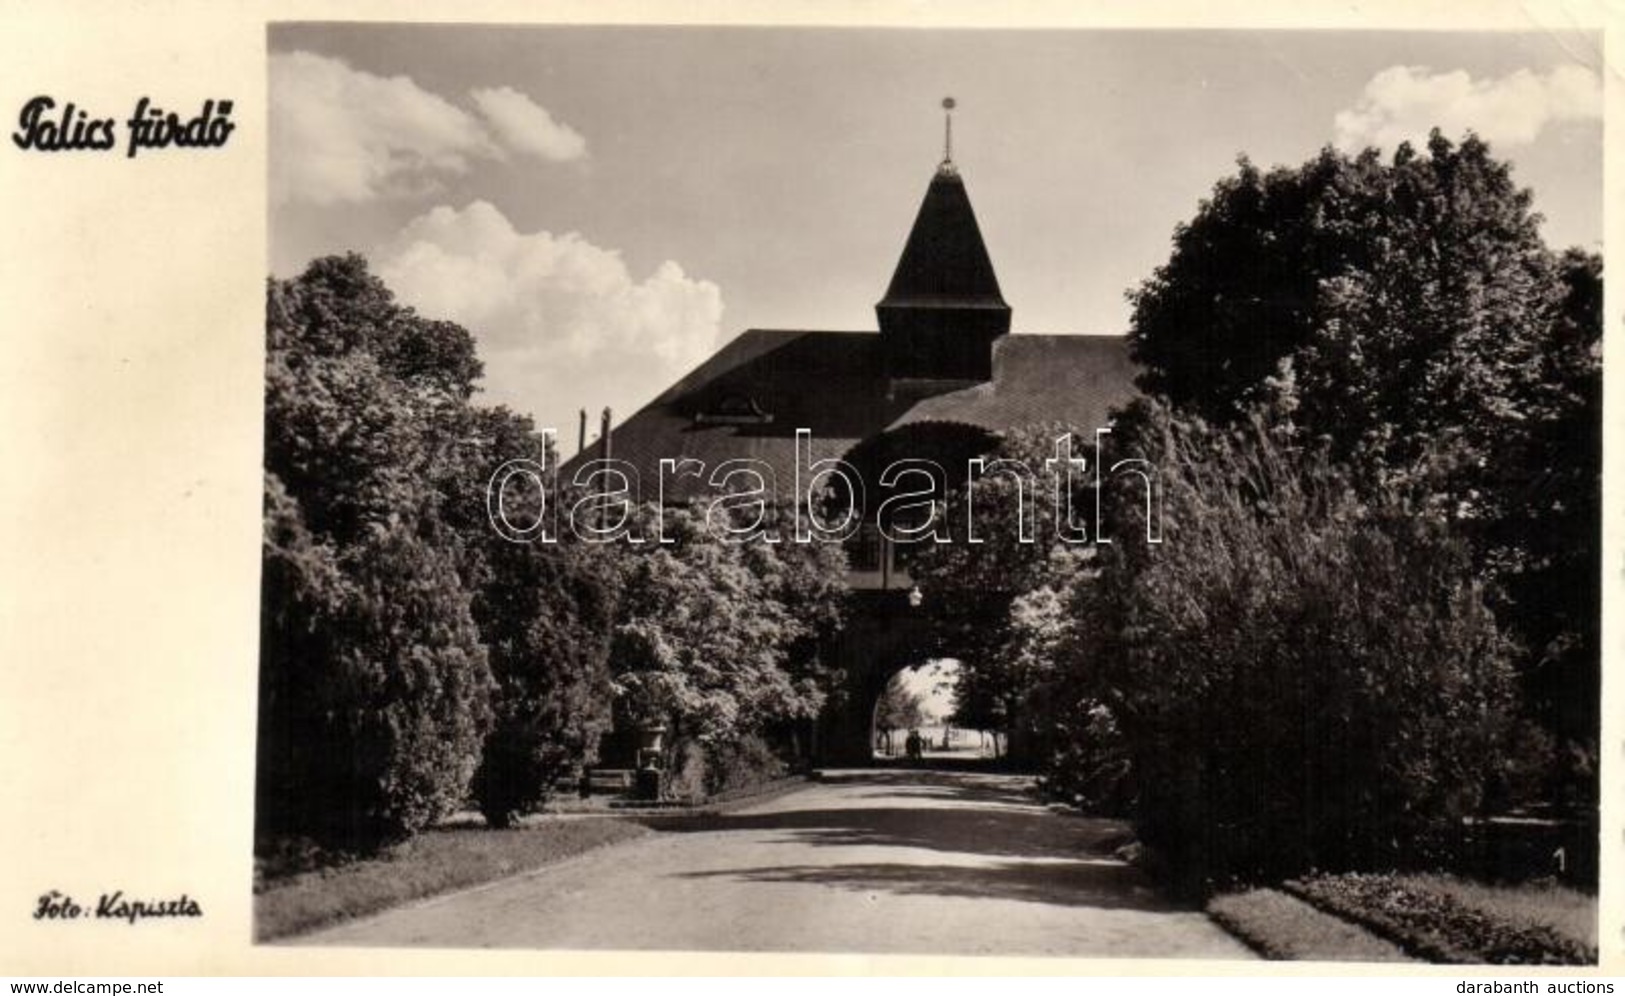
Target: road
865	861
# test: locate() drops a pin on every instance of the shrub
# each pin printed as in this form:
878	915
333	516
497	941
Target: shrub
740	765
701	770
685	775
522	759
1302	679
373	693
1091	768
545	614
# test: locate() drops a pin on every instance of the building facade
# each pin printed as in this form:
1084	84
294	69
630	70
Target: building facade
942	377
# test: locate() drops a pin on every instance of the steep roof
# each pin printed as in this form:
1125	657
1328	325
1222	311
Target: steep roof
748	400
1075	379
945	262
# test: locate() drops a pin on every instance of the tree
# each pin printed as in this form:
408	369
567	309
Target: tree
1551	530
1304	676
488	670
1419	260
1410	318
981	592
807	582
546	615
374	685
544	610
899	708
358	420
719	636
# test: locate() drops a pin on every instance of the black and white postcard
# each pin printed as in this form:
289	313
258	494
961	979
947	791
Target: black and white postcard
533	489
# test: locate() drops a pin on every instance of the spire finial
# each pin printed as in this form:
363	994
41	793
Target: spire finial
948	134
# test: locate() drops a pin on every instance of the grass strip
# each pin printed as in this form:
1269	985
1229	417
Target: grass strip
1283	928
431	863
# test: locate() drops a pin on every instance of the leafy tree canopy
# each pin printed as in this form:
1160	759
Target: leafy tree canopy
1406	314
720	635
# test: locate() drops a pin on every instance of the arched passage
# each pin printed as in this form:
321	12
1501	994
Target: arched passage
920	700
882	636
889	627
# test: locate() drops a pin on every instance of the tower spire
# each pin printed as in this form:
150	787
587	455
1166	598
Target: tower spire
943	310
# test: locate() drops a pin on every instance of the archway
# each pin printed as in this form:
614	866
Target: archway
890	626
919	700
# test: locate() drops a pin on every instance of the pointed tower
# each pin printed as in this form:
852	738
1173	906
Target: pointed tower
943	310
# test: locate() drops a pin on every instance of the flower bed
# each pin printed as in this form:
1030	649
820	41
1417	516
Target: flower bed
1431	923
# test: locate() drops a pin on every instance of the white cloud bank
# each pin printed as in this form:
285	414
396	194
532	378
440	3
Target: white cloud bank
341	135
561	323
525	126
1406	102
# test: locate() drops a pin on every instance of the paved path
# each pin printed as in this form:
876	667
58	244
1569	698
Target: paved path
872	861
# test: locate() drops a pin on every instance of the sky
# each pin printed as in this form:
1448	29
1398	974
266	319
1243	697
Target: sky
602	207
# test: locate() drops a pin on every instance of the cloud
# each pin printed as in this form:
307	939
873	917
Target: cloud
1406	102
526	127
561	323
342	135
